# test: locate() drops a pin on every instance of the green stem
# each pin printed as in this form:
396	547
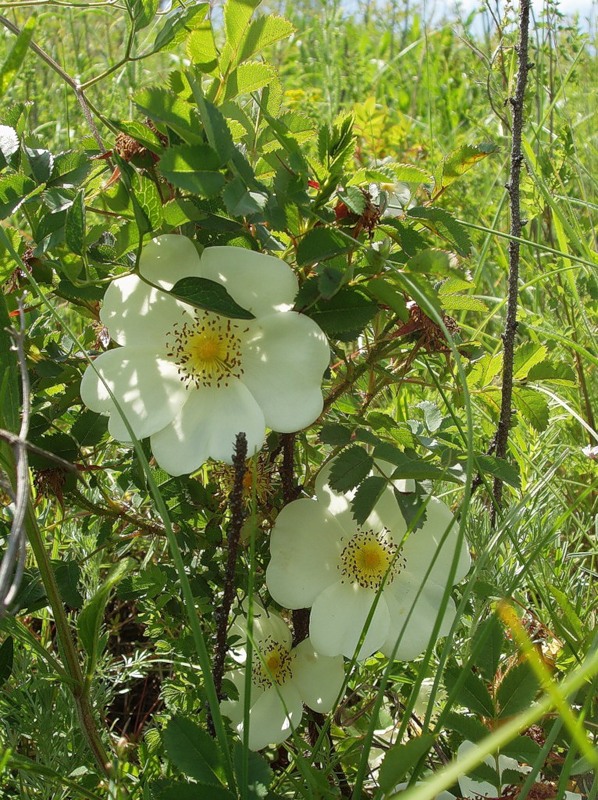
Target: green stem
67	645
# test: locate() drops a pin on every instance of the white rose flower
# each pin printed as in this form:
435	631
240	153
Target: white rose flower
321	559
191	379
283	678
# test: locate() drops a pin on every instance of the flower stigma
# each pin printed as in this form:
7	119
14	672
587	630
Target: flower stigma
370	558
207	351
273	665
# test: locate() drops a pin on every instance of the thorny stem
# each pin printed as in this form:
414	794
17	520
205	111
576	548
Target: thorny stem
508	337
79	94
234	535
290	492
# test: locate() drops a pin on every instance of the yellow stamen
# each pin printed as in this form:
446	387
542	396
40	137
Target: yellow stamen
371	558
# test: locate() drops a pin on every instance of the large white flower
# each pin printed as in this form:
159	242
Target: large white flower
283	678
192	380
321	559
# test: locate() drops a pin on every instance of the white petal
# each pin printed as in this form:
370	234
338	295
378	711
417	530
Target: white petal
338	617
273	716
305	546
147	388
167	259
207	428
423	544
400	596
136	314
318	678
257	282
233	709
284	358
266	624
337	504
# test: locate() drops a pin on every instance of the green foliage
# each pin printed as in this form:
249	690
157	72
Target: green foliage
294	145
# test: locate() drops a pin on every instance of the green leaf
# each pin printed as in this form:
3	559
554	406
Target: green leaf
431	262
89	428
177	25
350	468
472	692
74	229
462	159
432	415
367	495
470	728
182	790
517	690
532	406
14	190
194	169
522	748
237	17
259	774
209	295
9	144
552	372
264	31
142	12
570	616
408	173
527	356
322	243
163	106
488	646
347	311
248	78
462	302
444	224
41	163
400	760
10	404
141	133
217	131
411	468
499	468
388	295
201	49
412	506
241	201
6	659
485	370
335	434
14	60
90	618
70	169
67	575
192	750
147	195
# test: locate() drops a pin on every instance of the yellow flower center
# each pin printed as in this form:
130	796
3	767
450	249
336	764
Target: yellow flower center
207	351
273	665
371	558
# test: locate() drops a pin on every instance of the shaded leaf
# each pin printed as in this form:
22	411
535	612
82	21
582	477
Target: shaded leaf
74	229
347	311
163	106
488	646
350	468
193	168
472	692
6	659
517	690
367	495
499	468
335	434
142	12
192	750
209	295
400	760
470	728
462	159
322	243
259	774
